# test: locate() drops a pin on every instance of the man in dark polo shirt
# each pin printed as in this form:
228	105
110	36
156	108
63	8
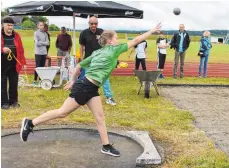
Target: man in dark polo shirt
63	44
88	43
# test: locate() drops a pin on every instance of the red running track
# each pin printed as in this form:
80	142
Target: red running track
190	69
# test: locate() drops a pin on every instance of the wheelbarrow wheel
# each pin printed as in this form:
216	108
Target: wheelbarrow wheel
46	84
22	81
147	89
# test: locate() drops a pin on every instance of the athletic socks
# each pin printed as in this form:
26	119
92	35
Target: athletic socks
30	123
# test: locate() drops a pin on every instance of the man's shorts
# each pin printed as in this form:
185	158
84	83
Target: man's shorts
83	90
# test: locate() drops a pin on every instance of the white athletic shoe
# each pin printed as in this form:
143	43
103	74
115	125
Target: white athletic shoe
111	101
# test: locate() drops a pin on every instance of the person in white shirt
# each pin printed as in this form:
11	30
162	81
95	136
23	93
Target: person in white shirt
162	44
140	55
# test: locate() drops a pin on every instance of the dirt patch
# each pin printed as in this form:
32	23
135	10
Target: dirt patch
210	107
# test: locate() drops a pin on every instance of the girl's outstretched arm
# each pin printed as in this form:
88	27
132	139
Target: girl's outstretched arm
143	36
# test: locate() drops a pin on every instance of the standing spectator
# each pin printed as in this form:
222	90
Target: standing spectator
41	43
12	61
205	46
63	44
46	31
140	55
180	42
162	44
88	43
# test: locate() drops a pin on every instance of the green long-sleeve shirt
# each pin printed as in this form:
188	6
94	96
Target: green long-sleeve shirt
102	62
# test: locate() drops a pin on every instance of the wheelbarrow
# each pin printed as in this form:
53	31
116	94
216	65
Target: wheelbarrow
47	75
148	78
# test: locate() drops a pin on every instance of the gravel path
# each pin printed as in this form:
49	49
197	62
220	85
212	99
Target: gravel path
210	106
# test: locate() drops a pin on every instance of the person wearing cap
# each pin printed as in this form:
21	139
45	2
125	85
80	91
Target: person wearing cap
12	61
63	44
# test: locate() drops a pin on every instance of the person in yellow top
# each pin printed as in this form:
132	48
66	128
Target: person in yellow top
78	56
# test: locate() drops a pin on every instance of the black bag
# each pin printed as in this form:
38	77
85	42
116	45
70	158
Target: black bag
201	53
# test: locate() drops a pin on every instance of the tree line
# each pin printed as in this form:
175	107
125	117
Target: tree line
30	23
171	32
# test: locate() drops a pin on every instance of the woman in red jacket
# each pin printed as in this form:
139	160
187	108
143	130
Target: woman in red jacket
12	61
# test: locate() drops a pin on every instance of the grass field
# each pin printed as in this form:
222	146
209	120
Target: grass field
219	52
185	145
168	80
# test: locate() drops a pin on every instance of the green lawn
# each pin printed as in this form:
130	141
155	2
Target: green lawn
168	80
219	52
184	144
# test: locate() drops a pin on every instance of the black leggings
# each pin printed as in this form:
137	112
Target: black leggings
143	63
161	60
40	62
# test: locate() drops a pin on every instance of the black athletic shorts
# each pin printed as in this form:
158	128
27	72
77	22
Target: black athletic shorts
161	60
83	90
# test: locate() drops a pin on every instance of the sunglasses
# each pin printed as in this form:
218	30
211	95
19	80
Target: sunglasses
93	23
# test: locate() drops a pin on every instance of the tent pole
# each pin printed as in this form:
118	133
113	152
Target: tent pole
74	34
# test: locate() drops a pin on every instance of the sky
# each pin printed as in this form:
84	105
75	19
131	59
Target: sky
195	15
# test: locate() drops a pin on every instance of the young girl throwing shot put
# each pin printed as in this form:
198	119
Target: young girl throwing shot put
99	67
